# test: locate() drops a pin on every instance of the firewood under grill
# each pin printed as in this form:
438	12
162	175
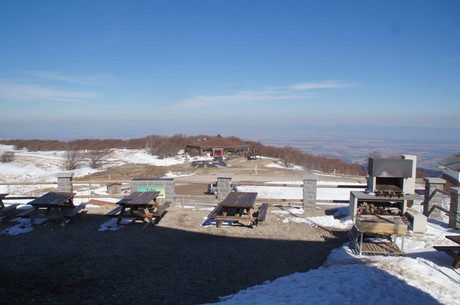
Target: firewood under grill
378	209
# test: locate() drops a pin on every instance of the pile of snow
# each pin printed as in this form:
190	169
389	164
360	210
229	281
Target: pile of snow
140	156
280	164
111	225
327	194
43	166
423	276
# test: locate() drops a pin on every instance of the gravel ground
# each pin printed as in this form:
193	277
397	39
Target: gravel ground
179	261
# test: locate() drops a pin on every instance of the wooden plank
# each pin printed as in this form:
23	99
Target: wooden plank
53	199
113	212
9	208
381	224
214	212
26	212
447	248
239	200
452	251
454	238
139	198
162	209
74	211
262	214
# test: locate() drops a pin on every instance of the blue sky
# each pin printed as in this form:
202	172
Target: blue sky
77	69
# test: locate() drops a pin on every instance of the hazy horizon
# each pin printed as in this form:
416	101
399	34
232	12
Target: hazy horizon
349	143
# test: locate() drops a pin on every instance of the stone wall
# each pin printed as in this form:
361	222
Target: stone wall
65	182
224	185
166	187
309	192
454	218
431	185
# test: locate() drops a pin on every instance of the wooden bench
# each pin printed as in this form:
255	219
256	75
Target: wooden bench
8	209
453	251
261	214
114	212
161	210
74	211
214	212
26	212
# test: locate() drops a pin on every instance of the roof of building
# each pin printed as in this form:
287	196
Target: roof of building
452	162
218	143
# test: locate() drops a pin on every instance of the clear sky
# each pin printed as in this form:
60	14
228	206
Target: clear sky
108	68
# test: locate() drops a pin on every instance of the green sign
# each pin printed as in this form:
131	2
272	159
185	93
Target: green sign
160	189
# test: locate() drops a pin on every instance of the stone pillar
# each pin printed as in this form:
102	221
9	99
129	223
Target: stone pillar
409	182
65	182
224	185
309	192
454	218
431	185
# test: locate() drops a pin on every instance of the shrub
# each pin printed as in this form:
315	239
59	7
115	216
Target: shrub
7	156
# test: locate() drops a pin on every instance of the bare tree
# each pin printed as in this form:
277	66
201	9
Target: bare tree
394	155
7	156
96	156
71	158
375	154
286	153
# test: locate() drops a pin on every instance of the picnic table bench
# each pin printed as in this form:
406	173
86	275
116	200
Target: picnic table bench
141	205
61	203
262	212
240	208
6	210
453	251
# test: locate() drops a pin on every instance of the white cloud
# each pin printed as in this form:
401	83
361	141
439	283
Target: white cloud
89	80
322	85
29	92
301	91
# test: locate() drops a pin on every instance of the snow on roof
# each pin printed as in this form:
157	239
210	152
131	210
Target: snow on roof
452	162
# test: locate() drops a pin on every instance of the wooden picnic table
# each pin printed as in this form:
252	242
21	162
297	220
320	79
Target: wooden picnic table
2	196
142	205
6	210
59	202
453	251
454	238
2	205
238	207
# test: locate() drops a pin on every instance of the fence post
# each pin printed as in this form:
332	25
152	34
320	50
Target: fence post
431	185
224	185
309	192
454	218
65	182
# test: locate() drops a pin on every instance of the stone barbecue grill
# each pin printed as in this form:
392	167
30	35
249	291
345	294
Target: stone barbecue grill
381	209
390	185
